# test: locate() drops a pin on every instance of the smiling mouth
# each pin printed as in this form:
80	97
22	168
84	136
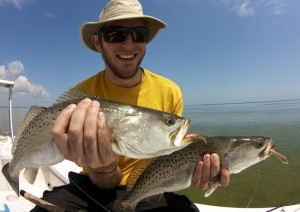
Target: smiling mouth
126	56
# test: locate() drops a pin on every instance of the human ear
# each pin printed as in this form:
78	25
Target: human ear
96	43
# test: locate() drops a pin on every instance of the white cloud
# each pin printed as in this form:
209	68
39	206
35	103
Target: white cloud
278	6
23	87
50	15
246	8
15	3
2	71
14	69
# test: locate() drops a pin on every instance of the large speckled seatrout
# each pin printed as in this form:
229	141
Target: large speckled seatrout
137	132
174	172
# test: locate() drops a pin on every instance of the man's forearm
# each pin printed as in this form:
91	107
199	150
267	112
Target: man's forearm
107	180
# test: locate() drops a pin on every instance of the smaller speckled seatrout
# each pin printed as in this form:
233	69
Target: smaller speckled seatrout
174	172
137	132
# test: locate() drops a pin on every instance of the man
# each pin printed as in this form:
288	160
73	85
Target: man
120	35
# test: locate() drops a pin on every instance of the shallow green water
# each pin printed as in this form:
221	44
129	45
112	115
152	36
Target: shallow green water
269	183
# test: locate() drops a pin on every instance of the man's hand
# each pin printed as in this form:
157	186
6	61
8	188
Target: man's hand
208	170
83	137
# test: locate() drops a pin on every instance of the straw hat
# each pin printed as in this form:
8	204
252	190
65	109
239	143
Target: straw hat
119	10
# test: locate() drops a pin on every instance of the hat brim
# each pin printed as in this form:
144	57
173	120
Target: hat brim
88	29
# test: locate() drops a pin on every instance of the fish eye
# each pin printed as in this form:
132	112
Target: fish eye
259	144
169	121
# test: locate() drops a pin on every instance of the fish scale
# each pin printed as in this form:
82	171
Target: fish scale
174	172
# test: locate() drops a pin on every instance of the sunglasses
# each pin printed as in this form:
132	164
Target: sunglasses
117	34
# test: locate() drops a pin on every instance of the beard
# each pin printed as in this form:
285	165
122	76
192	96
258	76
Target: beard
120	73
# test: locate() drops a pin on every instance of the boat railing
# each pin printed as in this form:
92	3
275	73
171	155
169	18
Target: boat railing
9	85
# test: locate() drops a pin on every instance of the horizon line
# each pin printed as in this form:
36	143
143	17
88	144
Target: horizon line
206	104
247	102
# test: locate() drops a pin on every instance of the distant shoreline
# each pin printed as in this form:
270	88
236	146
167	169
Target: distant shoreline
252	102
208	104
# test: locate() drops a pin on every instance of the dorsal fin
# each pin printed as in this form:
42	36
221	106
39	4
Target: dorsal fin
31	114
138	169
74	94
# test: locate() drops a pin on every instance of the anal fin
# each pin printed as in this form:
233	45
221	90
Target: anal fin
14	183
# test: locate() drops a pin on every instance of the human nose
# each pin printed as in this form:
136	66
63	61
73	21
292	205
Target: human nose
128	42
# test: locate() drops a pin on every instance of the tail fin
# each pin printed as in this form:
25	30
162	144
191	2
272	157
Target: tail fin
12	182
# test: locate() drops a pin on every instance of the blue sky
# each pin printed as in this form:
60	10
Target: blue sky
216	50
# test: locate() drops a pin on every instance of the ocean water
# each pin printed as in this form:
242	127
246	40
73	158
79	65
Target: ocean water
267	184
18	115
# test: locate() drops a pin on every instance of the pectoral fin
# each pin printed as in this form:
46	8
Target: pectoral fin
212	188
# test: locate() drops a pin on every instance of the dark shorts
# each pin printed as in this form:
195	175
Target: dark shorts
82	195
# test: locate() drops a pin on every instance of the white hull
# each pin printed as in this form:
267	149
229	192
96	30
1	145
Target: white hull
209	208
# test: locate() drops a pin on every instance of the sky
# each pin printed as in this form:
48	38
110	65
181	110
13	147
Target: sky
217	51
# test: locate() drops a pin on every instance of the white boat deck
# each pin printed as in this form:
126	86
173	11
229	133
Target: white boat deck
47	178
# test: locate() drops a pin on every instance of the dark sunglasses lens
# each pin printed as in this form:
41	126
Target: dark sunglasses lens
117	34
114	35
140	34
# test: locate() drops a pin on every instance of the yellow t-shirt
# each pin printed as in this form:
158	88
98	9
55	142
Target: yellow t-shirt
154	92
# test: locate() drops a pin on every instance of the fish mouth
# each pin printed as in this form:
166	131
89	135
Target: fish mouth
267	150
176	137
269	146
